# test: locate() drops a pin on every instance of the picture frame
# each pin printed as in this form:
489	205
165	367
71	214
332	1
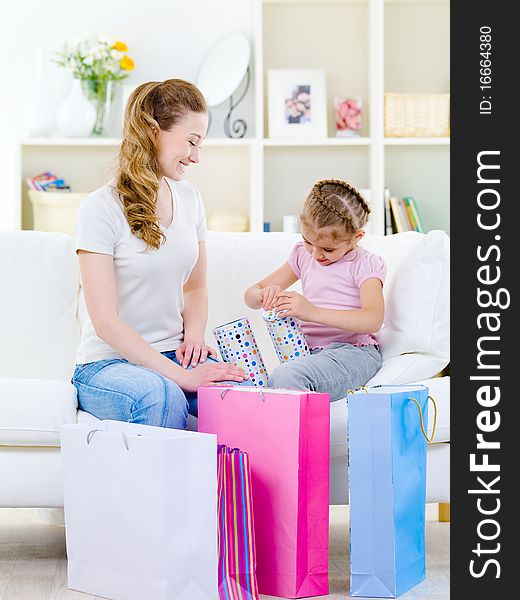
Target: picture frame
297	106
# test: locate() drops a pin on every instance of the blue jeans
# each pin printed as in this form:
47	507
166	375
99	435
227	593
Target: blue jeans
334	370
122	391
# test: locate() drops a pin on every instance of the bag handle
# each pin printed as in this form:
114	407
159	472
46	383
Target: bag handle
428	439
412	385
92	432
223	449
224	392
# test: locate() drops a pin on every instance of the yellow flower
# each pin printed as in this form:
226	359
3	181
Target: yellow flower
126	63
121	46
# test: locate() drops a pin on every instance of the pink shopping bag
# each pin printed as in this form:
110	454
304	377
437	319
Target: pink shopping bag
286	434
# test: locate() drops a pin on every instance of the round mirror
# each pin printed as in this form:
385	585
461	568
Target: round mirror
224	68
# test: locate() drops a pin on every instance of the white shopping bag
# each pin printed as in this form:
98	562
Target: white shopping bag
140	511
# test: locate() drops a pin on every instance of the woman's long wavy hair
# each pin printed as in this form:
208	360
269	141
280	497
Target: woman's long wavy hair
151	106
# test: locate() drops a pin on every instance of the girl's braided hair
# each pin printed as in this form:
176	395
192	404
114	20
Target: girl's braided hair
336	204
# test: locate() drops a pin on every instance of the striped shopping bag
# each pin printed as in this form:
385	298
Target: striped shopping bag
236	538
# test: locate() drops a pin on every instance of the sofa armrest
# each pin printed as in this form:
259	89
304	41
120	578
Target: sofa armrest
32	410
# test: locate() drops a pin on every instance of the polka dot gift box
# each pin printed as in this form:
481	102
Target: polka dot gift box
238	347
287	335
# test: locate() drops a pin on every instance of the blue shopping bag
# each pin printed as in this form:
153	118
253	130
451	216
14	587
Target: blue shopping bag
387	488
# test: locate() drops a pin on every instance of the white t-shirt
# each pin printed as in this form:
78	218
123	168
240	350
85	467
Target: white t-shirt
149	282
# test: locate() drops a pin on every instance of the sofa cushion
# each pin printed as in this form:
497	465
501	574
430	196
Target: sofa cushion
39	291
417	311
31	411
405	368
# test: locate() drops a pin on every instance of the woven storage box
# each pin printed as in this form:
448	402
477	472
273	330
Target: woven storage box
55	211
417	115
228	222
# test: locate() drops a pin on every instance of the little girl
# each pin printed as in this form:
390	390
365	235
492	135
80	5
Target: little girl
342	306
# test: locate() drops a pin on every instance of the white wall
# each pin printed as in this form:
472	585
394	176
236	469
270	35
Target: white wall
165	38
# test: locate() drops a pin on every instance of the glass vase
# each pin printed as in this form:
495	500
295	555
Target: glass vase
101	93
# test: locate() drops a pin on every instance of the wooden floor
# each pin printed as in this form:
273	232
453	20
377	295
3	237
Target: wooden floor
33	564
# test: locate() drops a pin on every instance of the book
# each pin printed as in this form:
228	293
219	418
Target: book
401	214
388	214
396	214
410	214
416	215
407	226
47	181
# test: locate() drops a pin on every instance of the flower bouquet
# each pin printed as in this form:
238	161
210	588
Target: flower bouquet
97	62
347	112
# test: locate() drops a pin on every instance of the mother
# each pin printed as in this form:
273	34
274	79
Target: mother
142	255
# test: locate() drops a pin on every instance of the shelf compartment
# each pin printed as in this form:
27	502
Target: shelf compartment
423	173
290	174
294	38
417	47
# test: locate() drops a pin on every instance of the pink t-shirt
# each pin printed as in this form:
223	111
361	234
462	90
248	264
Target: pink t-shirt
335	286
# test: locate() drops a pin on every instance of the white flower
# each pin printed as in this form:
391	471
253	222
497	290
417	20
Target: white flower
90	57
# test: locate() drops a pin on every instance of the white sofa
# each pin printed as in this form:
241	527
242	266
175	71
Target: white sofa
42	310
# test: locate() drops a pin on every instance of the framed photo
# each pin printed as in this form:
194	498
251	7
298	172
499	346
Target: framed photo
297	106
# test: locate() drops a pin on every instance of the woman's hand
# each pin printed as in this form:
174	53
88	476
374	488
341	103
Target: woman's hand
191	353
210	374
268	296
292	304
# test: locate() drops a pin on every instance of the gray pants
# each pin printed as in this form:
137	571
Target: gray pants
334	370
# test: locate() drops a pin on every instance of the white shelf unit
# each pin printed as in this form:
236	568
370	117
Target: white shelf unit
360	45
418	141
105	141
417	60
73	141
329	141
224	176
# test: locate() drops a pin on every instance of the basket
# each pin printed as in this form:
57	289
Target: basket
228	222
55	211
417	115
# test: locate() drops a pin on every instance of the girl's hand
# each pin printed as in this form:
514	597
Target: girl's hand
191	353
210	374
268	296
292	304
